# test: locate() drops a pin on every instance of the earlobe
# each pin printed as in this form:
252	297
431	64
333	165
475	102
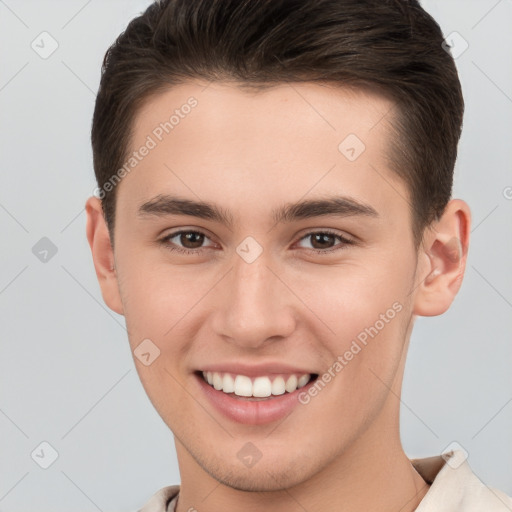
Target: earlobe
442	260
102	254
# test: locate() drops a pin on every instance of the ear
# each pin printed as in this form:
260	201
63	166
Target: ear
442	260
102	254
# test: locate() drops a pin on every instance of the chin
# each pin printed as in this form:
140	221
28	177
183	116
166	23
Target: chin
265	478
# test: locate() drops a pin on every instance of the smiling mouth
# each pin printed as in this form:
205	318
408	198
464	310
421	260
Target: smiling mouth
257	388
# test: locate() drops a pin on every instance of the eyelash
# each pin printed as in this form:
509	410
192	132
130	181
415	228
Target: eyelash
345	241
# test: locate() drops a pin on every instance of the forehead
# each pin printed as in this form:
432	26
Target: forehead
224	107
255	149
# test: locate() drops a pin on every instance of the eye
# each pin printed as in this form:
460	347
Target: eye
192	241
321	241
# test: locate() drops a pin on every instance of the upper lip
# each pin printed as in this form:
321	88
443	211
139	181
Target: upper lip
255	370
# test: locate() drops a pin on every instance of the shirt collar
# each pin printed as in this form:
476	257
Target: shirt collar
454	487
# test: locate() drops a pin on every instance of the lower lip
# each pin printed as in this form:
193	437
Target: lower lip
252	412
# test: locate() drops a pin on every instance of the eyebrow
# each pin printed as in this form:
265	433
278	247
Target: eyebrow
164	205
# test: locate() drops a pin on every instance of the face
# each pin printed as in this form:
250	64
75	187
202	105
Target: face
263	281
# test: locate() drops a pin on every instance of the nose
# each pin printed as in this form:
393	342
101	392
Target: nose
255	307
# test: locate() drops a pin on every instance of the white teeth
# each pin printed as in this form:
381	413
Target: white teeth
260	387
291	383
217	381
228	384
303	381
243	386
278	386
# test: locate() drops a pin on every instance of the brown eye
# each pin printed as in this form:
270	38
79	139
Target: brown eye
323	241
185	241
191	239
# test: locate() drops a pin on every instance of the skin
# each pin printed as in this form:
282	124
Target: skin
249	153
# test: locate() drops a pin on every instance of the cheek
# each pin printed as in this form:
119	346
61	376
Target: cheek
352	296
360	313
156	303
155	297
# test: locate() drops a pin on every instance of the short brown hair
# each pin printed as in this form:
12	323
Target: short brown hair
393	46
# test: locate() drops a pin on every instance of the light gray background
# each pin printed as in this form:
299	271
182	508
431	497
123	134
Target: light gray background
67	375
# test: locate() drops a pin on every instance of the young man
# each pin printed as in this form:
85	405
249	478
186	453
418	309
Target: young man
273	212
